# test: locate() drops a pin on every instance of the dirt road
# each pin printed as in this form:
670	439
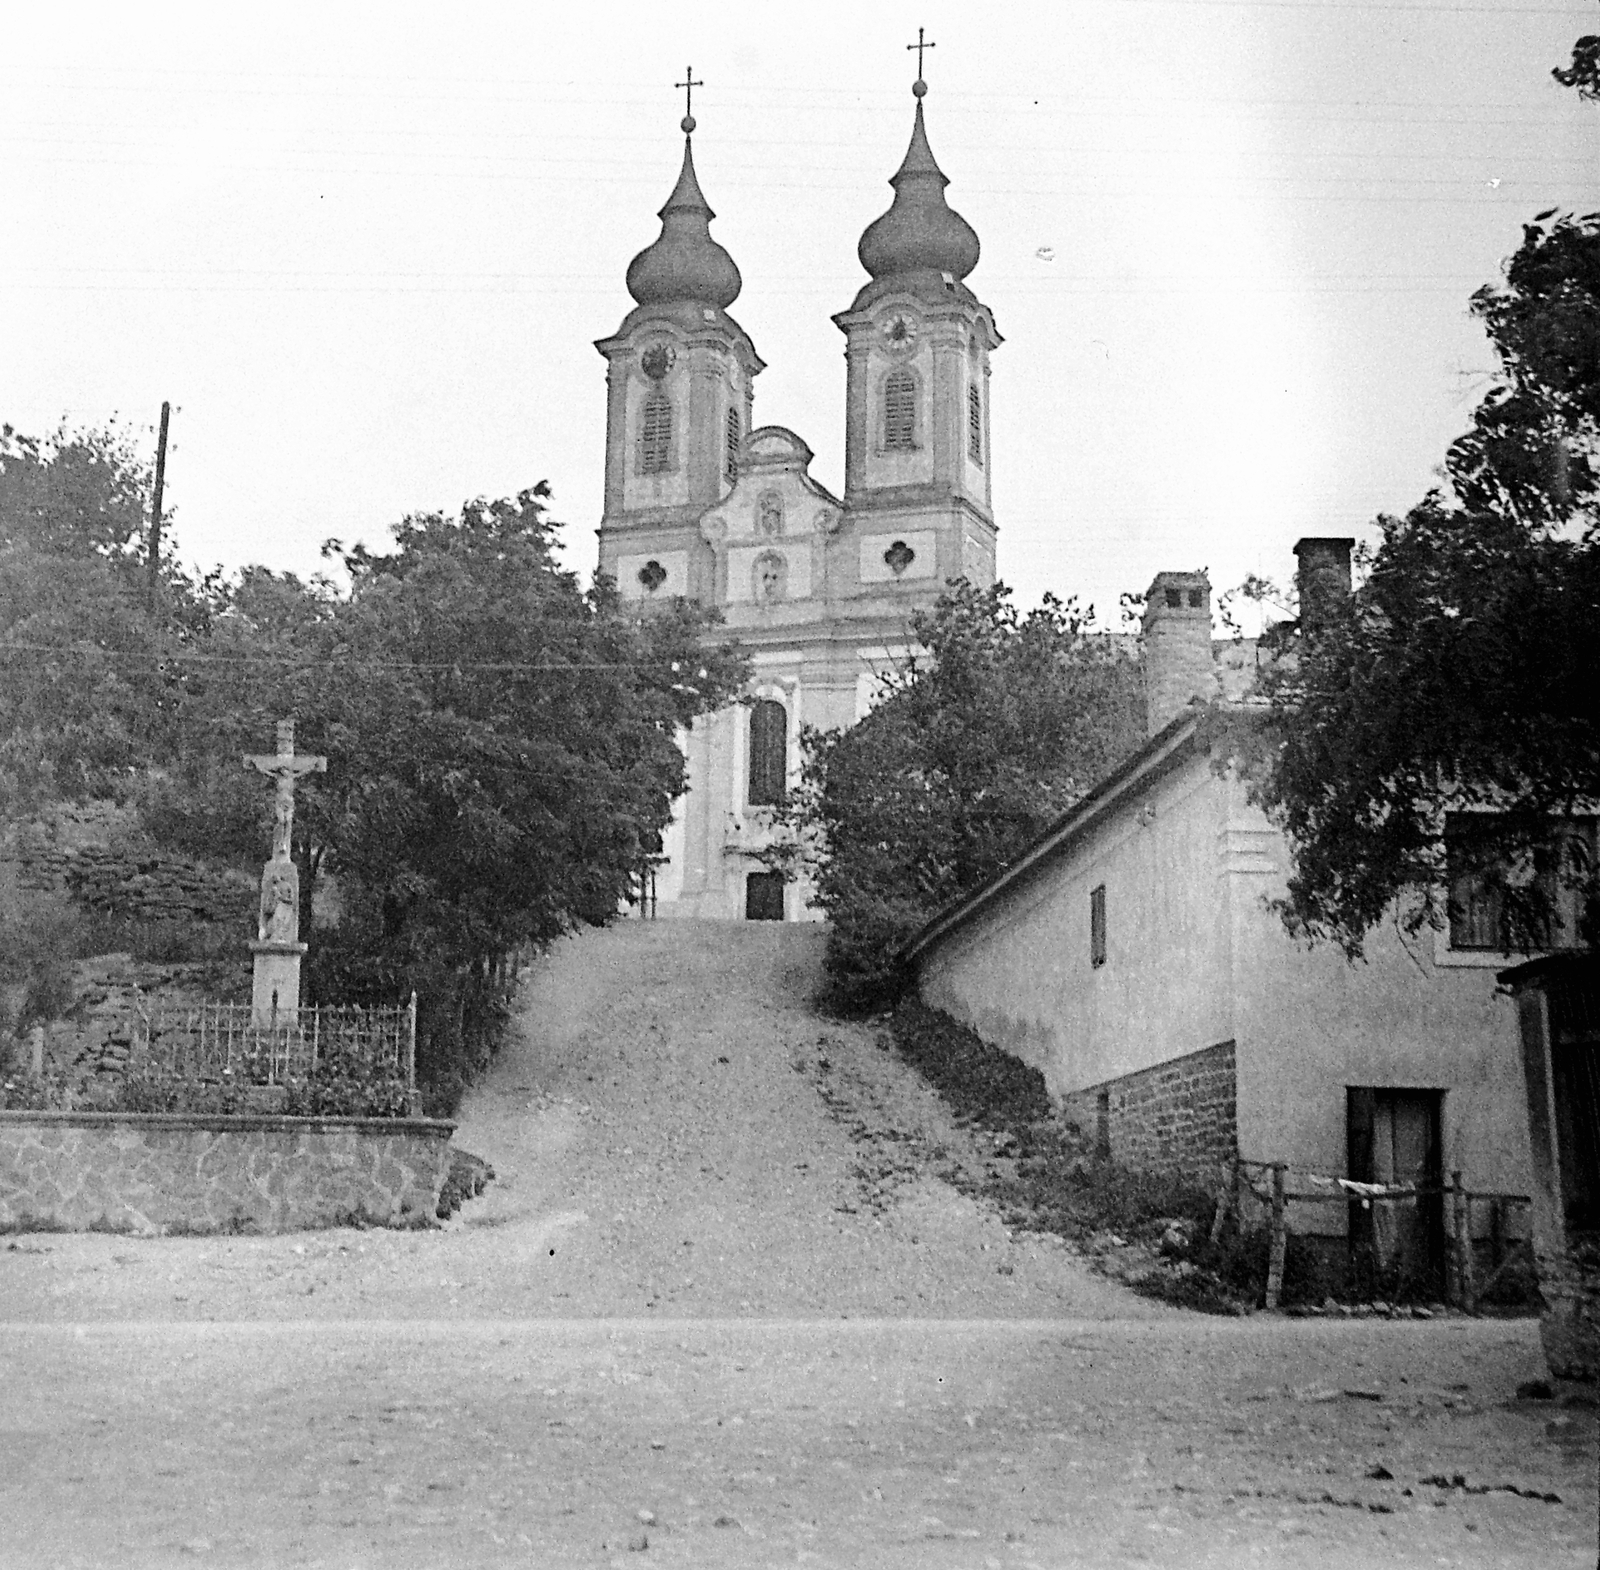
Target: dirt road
721	1280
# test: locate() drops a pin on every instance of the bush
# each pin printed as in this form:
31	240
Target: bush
983	1084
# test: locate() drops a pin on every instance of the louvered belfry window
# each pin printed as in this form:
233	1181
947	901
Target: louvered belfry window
733	444
655	435
974	422
769	739
899	412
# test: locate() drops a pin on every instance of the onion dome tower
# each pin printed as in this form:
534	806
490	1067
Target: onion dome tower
679	374
917	347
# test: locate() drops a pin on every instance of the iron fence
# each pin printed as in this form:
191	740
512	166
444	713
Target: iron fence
225	1042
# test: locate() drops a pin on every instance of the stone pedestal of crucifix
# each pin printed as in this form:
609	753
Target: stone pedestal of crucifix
277	946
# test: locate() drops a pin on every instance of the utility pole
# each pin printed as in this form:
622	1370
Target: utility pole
153	567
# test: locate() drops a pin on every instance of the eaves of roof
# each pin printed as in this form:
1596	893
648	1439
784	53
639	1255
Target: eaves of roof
1162	753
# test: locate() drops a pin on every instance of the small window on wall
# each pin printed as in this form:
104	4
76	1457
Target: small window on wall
733	445
655	435
769	748
899	412
1518	895
975	423
1097	926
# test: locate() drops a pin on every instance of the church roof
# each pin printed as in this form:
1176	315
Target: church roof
685	263
920	232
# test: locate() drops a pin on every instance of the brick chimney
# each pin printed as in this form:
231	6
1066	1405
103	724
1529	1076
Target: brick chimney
1178	665
1322	578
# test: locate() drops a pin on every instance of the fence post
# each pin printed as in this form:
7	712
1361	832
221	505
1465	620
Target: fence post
1452	1242
1279	1240
411	1044
1463	1229
1225	1194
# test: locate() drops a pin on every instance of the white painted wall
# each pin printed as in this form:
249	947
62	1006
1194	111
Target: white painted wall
1195	957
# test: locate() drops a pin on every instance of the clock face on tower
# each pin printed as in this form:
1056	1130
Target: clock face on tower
899	332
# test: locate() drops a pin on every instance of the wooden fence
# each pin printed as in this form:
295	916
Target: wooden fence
1462	1289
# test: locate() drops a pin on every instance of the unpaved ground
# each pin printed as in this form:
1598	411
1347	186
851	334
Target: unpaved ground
721	1278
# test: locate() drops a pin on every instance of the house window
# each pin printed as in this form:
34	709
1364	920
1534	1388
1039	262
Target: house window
974	423
733	445
1522	899
899	412
655	435
769	753
1097	926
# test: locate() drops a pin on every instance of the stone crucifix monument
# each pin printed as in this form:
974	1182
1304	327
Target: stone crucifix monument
277	946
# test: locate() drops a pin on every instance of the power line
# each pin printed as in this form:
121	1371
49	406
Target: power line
296	662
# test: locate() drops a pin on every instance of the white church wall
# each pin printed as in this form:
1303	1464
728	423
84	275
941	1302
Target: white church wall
876	565
674	564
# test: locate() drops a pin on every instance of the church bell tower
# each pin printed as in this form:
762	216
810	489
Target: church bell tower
679	398
917	344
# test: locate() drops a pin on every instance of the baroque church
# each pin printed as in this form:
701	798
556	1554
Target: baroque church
701	501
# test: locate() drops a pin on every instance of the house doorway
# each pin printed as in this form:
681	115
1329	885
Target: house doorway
1394	1138
763	896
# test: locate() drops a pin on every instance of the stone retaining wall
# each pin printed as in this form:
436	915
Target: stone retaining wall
176	1172
1182	1113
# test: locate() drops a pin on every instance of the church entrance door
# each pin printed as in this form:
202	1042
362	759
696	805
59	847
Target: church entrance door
763	896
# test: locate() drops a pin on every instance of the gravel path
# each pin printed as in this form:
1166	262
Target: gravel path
721	1280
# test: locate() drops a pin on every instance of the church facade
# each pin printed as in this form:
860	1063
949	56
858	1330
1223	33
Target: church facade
703	502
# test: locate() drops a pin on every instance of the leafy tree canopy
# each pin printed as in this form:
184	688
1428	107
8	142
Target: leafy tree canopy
500	741
971	752
1462	673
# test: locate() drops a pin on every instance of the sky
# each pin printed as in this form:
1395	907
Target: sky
365	251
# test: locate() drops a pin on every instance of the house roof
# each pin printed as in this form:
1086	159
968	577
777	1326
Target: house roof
1162	753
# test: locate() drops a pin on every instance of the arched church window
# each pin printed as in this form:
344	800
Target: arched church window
974	422
733	445
899	412
655	434
769	752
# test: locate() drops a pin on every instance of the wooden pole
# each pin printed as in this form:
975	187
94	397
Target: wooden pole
1463	1231
1225	1193
153	562
1452	1242
1279	1238
411	1045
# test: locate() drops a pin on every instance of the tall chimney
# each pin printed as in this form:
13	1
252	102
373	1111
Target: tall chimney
1322	578
1178	666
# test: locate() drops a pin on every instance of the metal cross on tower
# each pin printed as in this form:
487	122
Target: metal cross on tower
688	84
919	46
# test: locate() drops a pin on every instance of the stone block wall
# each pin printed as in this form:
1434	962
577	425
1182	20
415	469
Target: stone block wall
94	853
94	1039
180	1173
1180	1114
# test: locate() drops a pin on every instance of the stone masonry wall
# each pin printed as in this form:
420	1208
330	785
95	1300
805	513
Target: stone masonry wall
95	853
1181	1113
159	1173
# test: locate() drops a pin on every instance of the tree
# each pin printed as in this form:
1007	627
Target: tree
1461	676
500	742
84	684
971	752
